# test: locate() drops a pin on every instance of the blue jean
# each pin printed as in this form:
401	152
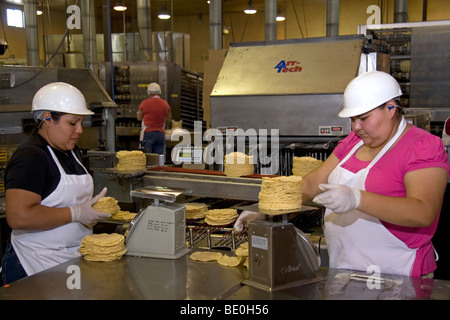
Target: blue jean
12	269
155	142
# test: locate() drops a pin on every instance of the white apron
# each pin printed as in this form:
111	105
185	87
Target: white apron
40	250
142	132
356	240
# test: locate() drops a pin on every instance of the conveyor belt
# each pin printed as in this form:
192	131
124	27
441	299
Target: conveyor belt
200	234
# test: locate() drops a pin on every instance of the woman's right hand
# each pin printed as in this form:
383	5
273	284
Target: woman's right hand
85	214
245	218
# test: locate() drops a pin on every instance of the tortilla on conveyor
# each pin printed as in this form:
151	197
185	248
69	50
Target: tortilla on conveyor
134	160
195	210
238	164
218	217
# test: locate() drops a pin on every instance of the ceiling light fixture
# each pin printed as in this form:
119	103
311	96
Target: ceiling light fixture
280	17
250	9
120	6
164	15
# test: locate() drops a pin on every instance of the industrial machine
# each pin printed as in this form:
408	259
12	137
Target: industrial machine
19	84
294	86
127	82
418	54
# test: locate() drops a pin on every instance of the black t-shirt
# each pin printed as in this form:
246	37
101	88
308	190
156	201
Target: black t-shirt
32	168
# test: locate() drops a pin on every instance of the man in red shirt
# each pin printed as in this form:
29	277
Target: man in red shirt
154	112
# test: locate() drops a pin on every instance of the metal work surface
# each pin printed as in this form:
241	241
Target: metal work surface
183	279
131	278
341	284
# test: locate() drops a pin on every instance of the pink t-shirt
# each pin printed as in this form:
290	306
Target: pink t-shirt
417	149
155	111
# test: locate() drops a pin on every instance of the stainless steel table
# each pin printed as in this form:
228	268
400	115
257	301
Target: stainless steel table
183	279
130	278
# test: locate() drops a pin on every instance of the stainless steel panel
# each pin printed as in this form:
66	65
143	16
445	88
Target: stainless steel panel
207	185
140	76
119	186
162	46
430	67
307	66
294	115
30	79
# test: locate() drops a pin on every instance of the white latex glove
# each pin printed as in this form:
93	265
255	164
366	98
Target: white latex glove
338	197
87	215
244	218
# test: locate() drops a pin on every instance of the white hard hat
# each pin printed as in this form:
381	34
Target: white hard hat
60	97
368	91
153	88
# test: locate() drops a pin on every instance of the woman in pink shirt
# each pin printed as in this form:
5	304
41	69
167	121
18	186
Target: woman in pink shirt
383	185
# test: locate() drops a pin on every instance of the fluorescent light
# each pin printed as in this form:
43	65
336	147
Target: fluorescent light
250	9
164	15
280	16
120	6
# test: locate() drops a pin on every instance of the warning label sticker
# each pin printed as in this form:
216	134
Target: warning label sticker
331	130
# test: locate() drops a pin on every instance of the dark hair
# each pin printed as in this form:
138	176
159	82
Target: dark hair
56	115
398	104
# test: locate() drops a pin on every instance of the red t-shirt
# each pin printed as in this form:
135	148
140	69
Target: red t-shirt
155	110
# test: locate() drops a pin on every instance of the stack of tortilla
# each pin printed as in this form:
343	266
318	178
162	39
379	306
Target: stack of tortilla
218	217
196	210
103	247
238	164
281	193
107	205
304	165
131	160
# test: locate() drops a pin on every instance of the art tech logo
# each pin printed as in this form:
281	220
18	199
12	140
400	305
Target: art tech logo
288	66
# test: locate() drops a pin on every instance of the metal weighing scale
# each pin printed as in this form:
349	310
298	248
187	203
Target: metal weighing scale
159	230
280	255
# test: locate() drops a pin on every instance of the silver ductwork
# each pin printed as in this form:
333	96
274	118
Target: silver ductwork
400	11
31	33
270	20
215	25
332	18
89	34
145	29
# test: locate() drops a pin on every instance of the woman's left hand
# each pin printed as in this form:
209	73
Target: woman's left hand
338	197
